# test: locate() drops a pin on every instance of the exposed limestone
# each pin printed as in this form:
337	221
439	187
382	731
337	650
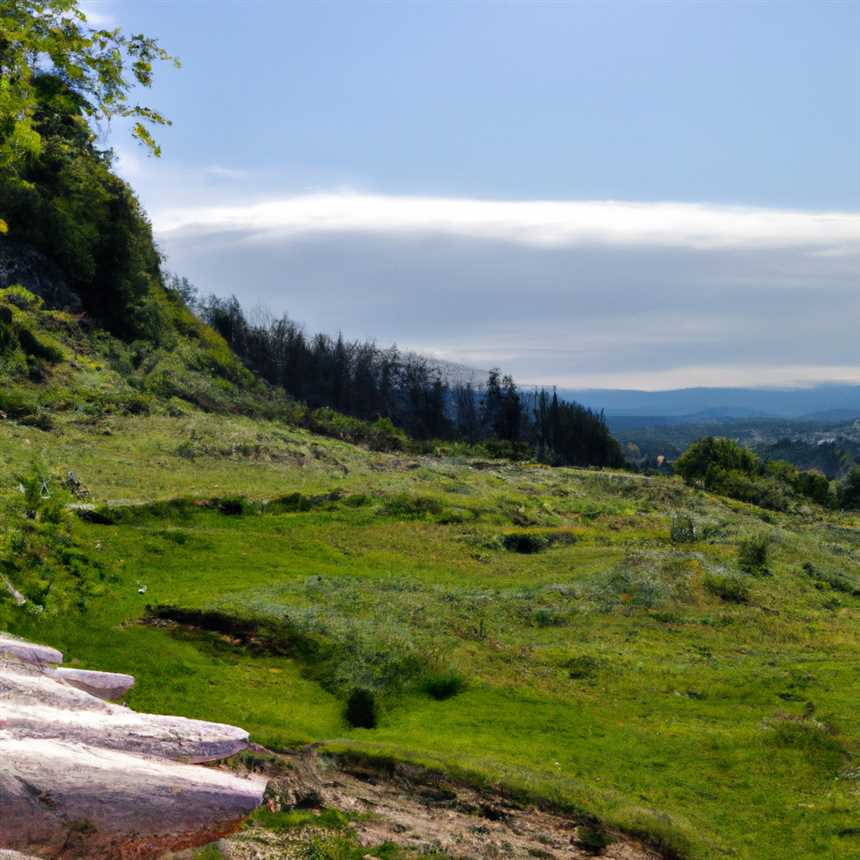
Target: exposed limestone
72	800
81	777
28	652
105	685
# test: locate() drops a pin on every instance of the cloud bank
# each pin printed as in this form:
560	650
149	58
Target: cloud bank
539	223
573	293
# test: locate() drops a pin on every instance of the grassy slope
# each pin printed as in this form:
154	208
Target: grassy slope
601	673
677	725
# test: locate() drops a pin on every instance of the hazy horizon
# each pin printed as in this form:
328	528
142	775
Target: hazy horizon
617	196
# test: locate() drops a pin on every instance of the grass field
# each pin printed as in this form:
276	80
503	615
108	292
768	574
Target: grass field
586	657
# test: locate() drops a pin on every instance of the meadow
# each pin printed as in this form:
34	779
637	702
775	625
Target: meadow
553	631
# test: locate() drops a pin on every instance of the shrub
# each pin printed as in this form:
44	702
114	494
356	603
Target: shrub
703	460
527	543
753	556
444	685
683	529
361	709
582	667
728	588
546	616
850	491
382	435
523	543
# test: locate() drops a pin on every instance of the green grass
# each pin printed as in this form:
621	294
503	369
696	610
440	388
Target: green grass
600	671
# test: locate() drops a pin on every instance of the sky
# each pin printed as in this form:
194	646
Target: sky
587	194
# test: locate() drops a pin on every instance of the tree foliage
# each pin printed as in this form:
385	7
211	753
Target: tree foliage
722	466
361	380
59	78
99	67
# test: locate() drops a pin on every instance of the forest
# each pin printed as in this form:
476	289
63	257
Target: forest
362	380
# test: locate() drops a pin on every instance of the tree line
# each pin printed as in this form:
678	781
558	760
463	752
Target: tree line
367	382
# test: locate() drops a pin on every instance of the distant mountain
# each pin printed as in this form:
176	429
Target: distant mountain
835	401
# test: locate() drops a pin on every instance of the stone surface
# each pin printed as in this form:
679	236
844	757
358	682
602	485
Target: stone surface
68	800
81	777
28	652
22	264
104	685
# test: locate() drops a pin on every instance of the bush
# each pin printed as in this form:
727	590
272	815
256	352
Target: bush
683	529
704	459
406	507
581	668
528	543
382	435
361	709
849	495
728	588
444	685
753	556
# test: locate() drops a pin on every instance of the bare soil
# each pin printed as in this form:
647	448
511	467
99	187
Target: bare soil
416	809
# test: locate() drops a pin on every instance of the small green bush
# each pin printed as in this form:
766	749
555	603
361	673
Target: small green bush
728	588
683	529
444	685
753	556
582	667
362	709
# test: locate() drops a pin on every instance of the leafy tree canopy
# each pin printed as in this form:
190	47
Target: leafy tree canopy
100	67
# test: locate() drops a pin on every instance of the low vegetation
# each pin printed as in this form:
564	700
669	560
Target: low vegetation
722	466
654	683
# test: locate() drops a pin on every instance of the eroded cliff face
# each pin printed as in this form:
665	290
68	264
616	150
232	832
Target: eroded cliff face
81	777
24	265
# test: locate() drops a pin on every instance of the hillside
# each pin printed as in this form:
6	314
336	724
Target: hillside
513	624
452	624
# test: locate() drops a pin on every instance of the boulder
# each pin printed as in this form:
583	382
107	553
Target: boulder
28	652
81	777
104	685
71	800
38	704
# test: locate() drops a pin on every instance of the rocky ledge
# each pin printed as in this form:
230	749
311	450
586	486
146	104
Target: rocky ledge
82	777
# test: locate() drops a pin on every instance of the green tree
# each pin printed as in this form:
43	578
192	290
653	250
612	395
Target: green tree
850	496
99	67
707	460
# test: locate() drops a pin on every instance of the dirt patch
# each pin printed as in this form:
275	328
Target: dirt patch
418	810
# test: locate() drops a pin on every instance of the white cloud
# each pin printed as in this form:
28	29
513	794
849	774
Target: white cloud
539	223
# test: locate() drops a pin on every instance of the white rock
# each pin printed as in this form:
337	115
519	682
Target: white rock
37	705
105	685
63	799
175	738
83	778
28	652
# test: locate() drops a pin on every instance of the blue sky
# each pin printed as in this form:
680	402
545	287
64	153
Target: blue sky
437	174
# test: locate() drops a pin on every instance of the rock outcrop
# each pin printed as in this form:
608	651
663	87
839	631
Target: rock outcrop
105	685
81	777
22	264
